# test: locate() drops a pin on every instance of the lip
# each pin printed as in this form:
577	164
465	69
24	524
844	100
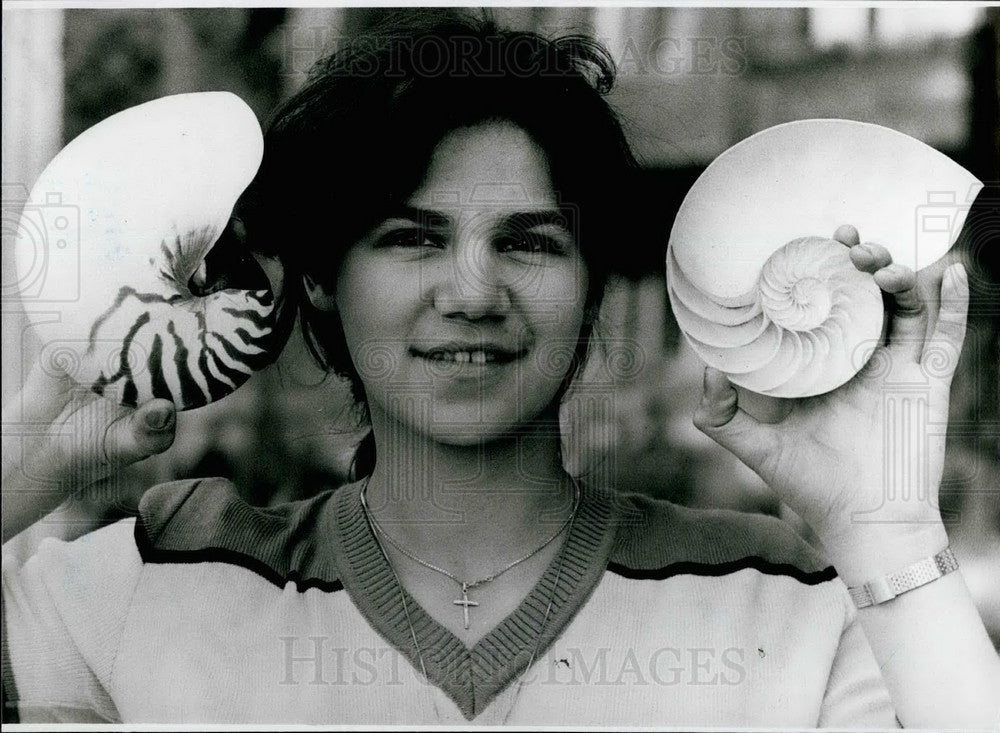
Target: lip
493	353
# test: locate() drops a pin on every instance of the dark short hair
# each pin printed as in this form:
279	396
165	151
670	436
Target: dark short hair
357	139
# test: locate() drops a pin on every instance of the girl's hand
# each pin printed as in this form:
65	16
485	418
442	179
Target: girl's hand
862	465
62	440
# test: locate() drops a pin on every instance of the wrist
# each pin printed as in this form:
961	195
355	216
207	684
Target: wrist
864	552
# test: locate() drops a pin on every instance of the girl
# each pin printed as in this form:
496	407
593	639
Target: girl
445	202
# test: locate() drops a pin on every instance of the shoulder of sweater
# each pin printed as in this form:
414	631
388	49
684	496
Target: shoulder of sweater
656	538
104	551
67	596
206	520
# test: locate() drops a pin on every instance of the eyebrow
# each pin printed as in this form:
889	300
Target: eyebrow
515	220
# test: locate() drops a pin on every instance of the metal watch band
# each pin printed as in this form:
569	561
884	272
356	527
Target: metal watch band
889	586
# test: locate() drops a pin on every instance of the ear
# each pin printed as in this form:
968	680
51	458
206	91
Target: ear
319	296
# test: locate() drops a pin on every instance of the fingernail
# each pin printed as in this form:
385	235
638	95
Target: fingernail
158	417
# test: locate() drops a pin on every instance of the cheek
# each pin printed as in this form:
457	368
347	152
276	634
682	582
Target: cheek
557	317
557	297
375	306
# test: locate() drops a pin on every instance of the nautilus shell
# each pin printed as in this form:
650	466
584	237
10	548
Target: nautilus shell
757	285
134	274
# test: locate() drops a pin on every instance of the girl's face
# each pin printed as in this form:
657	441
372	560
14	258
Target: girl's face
461	311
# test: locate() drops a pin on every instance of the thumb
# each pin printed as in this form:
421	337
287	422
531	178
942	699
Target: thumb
140	433
719	416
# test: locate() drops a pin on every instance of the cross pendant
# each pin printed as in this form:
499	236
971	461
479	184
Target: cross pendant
465	603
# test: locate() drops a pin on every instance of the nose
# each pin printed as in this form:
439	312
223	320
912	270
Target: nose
473	284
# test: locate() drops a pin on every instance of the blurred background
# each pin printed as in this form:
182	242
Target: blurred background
692	82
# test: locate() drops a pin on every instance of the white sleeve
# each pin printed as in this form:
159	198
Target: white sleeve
64	609
856	695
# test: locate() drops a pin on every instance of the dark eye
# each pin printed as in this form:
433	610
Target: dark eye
408	237
530	242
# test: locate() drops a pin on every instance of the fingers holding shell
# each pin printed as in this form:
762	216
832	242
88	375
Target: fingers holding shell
848	235
906	310
140	433
898	283
943	348
870	257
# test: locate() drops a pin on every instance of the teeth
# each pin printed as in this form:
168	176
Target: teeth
462	357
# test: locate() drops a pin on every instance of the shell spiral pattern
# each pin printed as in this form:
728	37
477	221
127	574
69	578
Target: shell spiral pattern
803	332
782	313
149	192
148	344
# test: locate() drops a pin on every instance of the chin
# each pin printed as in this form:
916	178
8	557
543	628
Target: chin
474	426
468	420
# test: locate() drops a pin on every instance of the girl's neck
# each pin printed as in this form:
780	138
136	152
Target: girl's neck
466	507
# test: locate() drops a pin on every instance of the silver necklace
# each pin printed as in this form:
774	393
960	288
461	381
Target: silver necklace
466	586
406	610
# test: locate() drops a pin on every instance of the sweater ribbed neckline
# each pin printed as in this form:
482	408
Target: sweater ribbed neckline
472	677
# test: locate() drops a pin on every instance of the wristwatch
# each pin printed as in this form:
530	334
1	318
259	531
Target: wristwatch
889	586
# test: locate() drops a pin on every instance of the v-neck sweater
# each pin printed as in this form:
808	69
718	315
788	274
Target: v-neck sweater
205	609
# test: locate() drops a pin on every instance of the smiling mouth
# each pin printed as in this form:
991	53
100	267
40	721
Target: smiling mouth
469	355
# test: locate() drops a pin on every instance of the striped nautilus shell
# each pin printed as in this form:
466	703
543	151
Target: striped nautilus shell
135	276
757	285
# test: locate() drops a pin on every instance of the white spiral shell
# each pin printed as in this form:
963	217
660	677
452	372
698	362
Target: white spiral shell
811	299
121	220
755	288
